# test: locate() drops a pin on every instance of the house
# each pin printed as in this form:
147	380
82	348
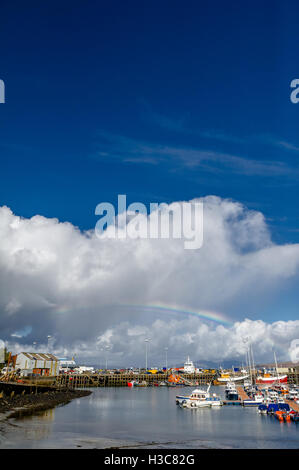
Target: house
37	363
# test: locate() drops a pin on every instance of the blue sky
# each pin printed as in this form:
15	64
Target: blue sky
94	93
161	101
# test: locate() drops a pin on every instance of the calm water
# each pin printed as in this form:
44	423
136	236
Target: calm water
146	418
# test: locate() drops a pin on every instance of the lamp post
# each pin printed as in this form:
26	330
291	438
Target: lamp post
166	349
107	349
49	337
147	340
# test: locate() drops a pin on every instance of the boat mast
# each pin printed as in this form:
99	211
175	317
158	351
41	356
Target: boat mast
276	367
249	364
253	367
248	360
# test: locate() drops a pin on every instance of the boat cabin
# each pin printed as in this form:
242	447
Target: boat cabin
199	394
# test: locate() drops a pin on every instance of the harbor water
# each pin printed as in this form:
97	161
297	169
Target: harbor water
146	418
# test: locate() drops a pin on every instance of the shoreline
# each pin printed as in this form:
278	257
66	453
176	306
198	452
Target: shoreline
28	404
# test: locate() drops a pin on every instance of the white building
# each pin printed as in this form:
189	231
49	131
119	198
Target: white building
37	363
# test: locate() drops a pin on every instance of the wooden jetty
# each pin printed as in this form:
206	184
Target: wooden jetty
242	394
292	404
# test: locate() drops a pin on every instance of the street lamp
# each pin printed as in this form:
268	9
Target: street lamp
107	349
49	337
166	349
147	340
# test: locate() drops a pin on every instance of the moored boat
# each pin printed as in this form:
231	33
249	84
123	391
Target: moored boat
225	378
268	379
258	399
231	391
141	384
199	398
263	409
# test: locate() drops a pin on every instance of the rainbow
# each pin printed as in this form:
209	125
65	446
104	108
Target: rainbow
202	314
168	309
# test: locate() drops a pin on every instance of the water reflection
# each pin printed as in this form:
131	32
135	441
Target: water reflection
27	414
147	415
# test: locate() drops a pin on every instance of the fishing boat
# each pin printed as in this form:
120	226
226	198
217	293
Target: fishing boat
230	386
231	391
269	379
258	399
199	398
273	395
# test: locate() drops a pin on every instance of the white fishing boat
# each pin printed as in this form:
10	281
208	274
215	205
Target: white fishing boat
231	391
198	399
230	387
258	399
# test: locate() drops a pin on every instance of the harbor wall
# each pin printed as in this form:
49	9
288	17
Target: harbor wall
121	380
40	384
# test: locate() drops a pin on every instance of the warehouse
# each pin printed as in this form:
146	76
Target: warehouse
37	363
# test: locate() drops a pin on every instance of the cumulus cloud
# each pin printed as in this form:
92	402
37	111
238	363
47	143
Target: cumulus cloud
56	280
123	345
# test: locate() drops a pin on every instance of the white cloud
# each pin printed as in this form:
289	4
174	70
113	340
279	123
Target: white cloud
73	286
203	342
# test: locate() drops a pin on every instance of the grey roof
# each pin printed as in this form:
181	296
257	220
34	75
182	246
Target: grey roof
40	356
